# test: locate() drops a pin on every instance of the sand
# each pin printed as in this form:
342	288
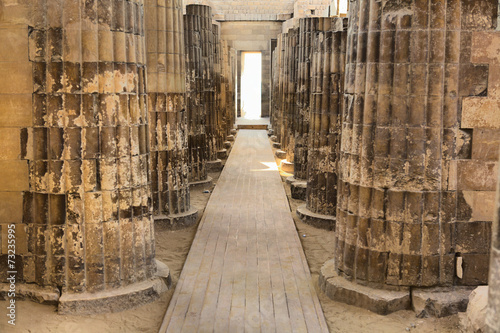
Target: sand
172	248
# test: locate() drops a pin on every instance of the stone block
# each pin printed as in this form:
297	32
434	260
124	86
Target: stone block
16	110
14	43
14	175
480	112
11	207
440	302
477	175
474	320
379	301
485	47
33	292
17	77
485	144
10	141
481	204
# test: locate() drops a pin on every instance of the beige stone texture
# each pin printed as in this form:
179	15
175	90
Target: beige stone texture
16	110
11	207
477	175
10	143
14	176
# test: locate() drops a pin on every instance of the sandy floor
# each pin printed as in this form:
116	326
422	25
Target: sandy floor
172	248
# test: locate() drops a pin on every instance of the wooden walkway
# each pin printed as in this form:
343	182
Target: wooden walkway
246	270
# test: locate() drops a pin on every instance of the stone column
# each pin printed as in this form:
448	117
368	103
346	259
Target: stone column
327	86
288	107
197	138
227	96
86	209
221	132
277	115
290	116
167	114
300	127
404	217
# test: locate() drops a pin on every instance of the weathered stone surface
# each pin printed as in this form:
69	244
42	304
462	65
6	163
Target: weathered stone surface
167	116
32	292
280	154
206	183
321	221
474	320
81	162
379	301
222	154
440	302
298	190
176	221
227	144
286	166
276	145
115	300
214	166
163	271
327	85
403	162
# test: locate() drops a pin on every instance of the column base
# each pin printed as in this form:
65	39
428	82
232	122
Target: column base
280	154
320	221
222	154
274	138
440	301
214	166
176	221
234	131
227	144
33	292
379	301
205	182
114	300
298	188
286	166
276	145
230	138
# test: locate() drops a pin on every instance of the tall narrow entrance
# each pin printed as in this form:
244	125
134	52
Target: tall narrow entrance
251	85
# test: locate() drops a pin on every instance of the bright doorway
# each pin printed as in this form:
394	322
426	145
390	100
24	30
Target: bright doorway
251	85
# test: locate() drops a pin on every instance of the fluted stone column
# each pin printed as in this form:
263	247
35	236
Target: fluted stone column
227	96
290	82
327	86
300	128
404	217
197	138
86	213
166	89
277	115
